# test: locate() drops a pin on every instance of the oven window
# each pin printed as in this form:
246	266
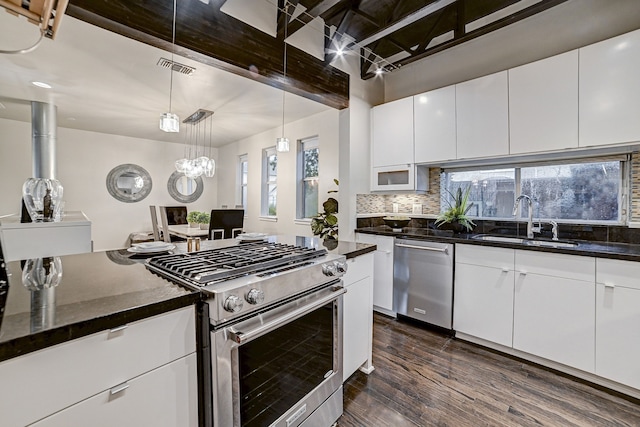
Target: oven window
280	368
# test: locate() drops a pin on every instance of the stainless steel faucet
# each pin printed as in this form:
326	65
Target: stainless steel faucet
530	228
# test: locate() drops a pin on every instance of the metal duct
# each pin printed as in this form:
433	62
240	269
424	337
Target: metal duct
43	141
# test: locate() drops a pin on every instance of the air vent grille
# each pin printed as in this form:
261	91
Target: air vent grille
176	66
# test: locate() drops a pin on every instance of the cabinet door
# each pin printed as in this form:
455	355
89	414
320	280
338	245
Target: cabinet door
554	318
392	133
543	105
382	270
166	396
610	91
483	302
357	321
483	117
434	122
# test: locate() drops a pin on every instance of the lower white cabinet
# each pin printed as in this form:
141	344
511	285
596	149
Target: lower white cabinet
618	321
554	307
483	297
166	396
358	315
382	271
42	383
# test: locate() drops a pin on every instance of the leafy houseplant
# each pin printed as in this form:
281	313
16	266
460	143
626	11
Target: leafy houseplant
192	218
203	220
325	225
456	215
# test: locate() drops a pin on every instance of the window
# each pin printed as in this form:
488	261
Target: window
587	191
308	156
269	186
243	170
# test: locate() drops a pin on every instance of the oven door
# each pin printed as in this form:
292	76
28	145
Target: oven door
278	367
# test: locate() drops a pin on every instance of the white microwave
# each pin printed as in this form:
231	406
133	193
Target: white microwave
405	177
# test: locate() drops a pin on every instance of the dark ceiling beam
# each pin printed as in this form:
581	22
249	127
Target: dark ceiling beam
461	21
206	35
432	31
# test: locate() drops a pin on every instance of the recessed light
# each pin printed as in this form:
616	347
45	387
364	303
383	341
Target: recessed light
339	52
41	84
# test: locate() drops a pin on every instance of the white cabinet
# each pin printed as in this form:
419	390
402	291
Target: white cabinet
554	307
482	122
382	271
166	396
392	133
434	120
610	91
543	105
483	299
618	321
41	383
358	315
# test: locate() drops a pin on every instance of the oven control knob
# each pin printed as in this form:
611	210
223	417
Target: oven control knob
233	304
255	296
329	269
341	267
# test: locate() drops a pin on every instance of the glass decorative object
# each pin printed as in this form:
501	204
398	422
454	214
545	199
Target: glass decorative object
169	122
43	199
282	145
210	168
181	165
42	273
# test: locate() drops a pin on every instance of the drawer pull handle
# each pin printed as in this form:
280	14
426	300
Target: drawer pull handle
505	269
523	273
119	388
118	329
609	285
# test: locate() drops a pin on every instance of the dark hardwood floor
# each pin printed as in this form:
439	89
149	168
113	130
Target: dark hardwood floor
423	378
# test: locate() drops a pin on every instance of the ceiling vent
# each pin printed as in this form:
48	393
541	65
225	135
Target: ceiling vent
176	66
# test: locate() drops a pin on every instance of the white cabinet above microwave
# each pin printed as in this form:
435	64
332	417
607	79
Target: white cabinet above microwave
405	177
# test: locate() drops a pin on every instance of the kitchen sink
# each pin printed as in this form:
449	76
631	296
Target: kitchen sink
551	243
503	239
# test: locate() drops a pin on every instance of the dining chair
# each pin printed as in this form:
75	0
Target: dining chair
165	224
176	215
154	223
226	223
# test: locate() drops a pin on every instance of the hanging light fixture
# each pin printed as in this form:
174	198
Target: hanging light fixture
170	122
282	143
195	163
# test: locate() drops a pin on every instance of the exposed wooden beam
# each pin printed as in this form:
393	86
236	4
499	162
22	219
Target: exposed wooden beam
207	35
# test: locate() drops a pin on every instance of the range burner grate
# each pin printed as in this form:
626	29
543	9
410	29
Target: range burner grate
215	265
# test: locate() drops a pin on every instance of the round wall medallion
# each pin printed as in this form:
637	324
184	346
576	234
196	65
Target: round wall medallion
129	183
184	189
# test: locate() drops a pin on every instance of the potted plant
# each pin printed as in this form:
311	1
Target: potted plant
455	217
325	225
203	220
192	218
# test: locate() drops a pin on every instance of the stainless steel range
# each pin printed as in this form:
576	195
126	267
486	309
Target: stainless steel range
275	322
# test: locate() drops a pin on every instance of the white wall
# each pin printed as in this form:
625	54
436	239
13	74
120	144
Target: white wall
84	160
562	28
323	125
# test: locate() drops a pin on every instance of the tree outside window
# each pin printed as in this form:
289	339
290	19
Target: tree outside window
308	174
269	182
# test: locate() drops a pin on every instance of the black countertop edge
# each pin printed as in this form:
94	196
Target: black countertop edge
361	249
50	337
620	251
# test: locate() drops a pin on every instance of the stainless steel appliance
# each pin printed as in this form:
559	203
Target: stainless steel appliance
423	281
275	322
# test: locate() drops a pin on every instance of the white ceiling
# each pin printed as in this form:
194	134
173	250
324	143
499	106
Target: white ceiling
107	83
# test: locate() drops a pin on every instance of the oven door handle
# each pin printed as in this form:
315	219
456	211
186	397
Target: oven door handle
242	337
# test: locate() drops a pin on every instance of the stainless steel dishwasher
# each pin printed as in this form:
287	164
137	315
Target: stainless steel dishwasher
423	281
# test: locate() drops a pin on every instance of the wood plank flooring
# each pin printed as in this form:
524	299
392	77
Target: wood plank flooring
423	378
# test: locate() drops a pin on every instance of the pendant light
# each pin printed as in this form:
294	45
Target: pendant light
282	143
170	122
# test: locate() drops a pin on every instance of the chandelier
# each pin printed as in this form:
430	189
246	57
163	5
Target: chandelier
195	163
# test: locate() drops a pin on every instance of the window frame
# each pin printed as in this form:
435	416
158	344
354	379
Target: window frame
243	187
267	181
302	146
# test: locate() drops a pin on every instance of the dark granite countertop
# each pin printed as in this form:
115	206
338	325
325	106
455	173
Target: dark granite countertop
102	290
623	251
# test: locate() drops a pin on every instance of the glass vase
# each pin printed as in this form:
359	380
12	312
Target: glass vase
43	199
42	273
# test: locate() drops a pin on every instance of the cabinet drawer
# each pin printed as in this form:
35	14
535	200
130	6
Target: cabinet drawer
62	375
384	243
618	273
358	268
164	397
486	256
556	265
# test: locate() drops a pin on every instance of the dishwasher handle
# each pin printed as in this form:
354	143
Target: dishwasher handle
423	248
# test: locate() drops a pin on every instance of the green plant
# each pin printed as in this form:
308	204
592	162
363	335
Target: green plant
203	218
192	217
326	223
457	211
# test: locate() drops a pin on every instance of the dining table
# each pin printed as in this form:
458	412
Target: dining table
185	231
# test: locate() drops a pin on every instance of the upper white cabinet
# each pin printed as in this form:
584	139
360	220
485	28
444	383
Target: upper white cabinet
392	133
434	119
610	91
543	105
482	110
